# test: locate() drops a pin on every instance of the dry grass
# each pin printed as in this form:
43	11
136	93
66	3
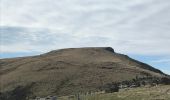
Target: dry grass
141	93
69	71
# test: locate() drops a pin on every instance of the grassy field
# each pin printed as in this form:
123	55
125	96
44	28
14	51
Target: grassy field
161	92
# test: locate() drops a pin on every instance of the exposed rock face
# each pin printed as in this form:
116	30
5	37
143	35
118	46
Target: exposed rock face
110	49
68	71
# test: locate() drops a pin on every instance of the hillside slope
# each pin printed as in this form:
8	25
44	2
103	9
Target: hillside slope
68	71
160	92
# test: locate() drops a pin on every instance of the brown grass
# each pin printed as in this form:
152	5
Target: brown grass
68	71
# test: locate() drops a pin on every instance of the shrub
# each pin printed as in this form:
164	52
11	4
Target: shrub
111	87
165	81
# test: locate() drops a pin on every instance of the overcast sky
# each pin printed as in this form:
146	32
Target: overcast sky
139	28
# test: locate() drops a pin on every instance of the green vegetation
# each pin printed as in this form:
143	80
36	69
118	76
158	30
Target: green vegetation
161	92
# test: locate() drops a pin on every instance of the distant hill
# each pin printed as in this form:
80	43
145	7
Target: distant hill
68	71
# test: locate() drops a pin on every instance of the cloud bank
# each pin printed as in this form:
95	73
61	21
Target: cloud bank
129	26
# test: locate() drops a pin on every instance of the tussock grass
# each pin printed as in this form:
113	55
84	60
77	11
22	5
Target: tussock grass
161	92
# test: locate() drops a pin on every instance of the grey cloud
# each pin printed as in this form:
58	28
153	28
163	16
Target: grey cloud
34	37
131	26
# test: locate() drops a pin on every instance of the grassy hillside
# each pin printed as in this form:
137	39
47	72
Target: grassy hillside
69	71
161	92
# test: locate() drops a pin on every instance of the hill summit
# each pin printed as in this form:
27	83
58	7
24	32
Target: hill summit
68	71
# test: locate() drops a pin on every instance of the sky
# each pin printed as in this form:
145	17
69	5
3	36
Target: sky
138	28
